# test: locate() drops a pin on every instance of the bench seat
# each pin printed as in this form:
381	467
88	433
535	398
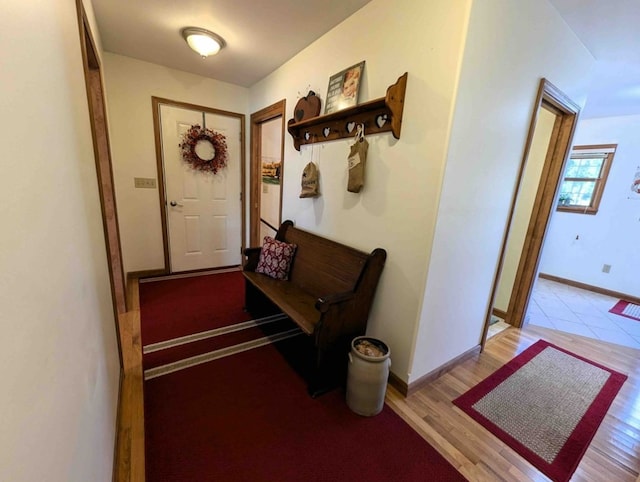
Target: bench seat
329	295
291	299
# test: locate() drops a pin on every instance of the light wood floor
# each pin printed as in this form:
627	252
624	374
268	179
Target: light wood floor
129	458
614	454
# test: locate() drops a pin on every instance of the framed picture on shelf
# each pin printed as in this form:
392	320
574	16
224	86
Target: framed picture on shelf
344	88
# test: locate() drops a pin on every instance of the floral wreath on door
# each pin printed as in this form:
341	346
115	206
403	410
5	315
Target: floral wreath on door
204	149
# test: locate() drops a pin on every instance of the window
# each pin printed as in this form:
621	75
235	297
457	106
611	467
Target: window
584	179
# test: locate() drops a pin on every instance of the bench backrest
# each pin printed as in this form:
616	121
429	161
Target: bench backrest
322	266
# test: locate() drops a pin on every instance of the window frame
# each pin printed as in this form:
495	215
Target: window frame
608	151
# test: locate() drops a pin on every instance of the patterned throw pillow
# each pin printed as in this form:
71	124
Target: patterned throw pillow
275	258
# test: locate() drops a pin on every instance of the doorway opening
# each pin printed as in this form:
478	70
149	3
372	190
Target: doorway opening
549	140
559	301
266	172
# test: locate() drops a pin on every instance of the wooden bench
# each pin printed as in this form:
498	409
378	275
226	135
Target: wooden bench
328	295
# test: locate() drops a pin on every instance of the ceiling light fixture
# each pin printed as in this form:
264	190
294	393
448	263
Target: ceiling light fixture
202	41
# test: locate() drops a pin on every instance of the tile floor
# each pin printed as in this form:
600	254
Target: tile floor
573	310
497	327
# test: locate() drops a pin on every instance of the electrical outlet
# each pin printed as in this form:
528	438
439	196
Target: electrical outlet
606	268
144	182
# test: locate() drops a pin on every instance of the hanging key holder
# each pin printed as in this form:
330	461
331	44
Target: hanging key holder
357	161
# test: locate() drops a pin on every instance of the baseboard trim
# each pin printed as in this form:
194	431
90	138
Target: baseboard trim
398	384
595	289
499	313
190	274
145	273
161	274
408	389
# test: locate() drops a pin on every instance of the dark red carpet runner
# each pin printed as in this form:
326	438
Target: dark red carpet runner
171	309
187	350
248	417
178	307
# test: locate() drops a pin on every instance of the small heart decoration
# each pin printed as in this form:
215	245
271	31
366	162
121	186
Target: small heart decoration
326	131
299	115
381	120
307	136
350	127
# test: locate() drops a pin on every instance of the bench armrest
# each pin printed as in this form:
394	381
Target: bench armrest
323	304
253	256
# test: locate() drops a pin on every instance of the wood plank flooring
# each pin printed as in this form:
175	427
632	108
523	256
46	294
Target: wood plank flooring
129	464
614	454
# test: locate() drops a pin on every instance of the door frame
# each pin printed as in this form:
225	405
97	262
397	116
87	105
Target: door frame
558	152
156	102
104	169
255	171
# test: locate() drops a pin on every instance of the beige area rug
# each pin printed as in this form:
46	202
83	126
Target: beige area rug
546	404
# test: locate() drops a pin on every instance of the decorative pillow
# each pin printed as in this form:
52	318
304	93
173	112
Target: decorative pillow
275	258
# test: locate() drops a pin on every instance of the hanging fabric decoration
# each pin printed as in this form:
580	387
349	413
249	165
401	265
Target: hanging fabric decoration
357	161
310	179
204	150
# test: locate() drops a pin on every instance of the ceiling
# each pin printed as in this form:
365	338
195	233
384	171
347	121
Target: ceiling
609	29
262	35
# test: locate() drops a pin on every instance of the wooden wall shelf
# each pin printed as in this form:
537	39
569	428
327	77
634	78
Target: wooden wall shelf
379	115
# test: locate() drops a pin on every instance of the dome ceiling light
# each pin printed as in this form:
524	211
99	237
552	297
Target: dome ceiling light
202	41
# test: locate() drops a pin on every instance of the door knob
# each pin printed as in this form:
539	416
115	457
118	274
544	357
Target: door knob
174	204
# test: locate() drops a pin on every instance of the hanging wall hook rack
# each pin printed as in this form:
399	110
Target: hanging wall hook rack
376	116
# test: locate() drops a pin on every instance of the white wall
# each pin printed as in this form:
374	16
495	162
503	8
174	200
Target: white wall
397	207
58	358
611	236
524	206
510	46
130	84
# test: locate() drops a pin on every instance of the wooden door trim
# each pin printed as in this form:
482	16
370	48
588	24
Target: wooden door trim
123	451
102	155
559	148
155	104
544	205
257	119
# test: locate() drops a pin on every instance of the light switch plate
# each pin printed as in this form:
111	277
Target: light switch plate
144	182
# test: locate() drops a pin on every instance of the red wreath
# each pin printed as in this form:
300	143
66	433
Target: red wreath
188	147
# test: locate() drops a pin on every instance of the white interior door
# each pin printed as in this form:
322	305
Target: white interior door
203	209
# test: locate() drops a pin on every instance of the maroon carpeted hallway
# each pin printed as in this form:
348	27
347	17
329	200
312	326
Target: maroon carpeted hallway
245	415
185	318
172	308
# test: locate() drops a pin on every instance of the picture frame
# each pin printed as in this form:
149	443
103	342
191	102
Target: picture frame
271	170
344	88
